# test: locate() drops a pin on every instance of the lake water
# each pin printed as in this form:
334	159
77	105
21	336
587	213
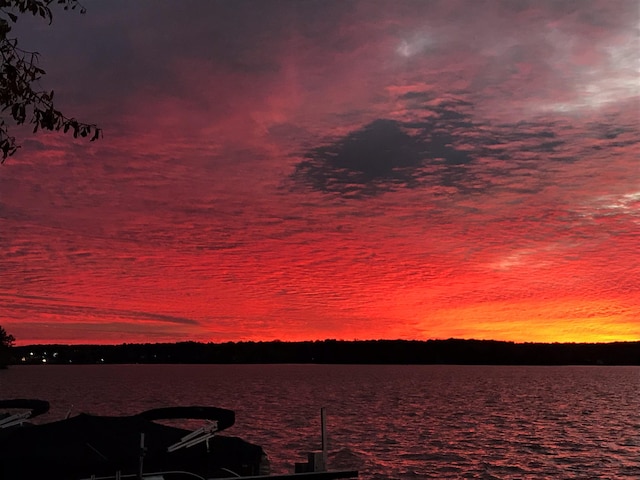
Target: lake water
389	422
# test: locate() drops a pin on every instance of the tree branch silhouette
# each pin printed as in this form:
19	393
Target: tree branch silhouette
20	101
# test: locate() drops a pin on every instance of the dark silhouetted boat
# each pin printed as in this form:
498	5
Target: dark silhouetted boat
137	446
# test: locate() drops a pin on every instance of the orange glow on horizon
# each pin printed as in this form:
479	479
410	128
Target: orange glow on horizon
567	320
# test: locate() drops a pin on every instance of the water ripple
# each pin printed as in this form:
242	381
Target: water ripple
389	422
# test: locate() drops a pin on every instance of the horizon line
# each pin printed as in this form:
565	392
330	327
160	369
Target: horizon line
325	340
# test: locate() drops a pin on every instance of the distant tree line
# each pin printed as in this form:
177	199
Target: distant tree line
452	351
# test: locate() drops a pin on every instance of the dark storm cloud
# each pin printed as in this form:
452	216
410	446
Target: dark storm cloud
444	148
386	155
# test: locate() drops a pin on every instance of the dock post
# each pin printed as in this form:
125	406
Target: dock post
325	448
317	461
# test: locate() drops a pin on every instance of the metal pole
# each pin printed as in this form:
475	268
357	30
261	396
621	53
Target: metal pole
142	452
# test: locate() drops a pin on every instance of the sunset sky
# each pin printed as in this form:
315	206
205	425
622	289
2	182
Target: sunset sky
303	170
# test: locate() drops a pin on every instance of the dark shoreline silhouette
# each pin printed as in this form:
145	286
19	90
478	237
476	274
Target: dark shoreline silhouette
392	352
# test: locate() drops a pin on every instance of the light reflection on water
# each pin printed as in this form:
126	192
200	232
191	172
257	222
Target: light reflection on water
387	421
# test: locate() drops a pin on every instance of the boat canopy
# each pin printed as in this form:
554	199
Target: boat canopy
37	407
225	418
